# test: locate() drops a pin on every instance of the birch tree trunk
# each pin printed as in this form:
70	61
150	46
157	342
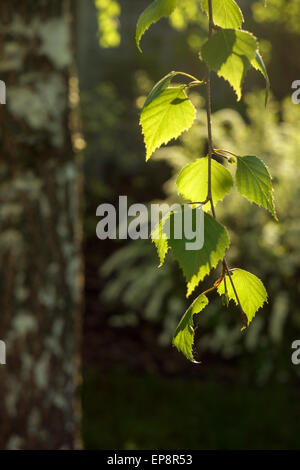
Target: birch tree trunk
40	263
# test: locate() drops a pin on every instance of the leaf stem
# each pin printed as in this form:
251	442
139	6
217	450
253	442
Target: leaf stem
189	76
243	315
219	151
216	284
195	83
210	153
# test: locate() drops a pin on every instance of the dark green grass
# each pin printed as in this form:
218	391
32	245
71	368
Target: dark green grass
127	411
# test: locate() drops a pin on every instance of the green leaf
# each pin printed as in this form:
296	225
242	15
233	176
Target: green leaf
259	65
251	291
192	182
254	182
184	335
196	264
230	53
154	12
160	240
226	13
159	87
167	115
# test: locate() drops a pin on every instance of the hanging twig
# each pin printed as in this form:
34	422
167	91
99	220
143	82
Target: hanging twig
211	26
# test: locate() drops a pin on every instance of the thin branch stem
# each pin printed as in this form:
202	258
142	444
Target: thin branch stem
225	284
208	113
216	284
200	202
210	153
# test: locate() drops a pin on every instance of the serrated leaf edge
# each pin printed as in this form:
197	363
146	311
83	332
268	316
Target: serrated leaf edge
207	205
139	38
195	313
237	92
191	289
176	135
242	15
236	302
274	214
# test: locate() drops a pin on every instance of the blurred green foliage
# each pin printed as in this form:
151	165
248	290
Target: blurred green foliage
259	244
108	13
135	290
282	12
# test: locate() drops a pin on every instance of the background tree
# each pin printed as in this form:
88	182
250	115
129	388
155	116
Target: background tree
40	274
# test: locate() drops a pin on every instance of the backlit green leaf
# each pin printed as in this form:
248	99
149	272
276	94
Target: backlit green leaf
166	116
254	182
160	240
159	87
196	264
226	13
251	291
230	53
154	12
184	335
192	182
